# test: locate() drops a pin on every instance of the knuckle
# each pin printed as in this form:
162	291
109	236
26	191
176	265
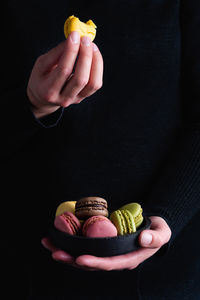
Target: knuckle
64	104
49	96
87	52
166	239
80	81
40	60
73	50
169	234
134	266
100	84
160	241
63	71
67	101
95	86
108	268
79	100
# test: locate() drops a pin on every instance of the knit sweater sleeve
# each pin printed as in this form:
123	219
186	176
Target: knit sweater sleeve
18	123
176	194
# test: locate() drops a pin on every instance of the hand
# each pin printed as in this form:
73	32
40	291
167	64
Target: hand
53	84
150	241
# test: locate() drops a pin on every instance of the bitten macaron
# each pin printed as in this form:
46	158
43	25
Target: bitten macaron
68	223
91	206
85	29
99	226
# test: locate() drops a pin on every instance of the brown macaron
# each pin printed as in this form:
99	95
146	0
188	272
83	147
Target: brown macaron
91	206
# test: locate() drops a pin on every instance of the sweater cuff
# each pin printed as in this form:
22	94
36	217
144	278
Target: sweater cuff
51	120
19	120
175	196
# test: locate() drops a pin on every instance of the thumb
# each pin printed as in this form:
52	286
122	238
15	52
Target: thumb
157	236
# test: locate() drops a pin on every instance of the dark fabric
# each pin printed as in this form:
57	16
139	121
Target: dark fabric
135	140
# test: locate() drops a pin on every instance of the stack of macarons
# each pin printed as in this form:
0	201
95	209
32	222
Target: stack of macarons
89	217
128	218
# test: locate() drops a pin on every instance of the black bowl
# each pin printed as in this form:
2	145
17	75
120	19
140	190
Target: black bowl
78	245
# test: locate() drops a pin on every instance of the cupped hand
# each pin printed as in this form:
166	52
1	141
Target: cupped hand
65	75
150	240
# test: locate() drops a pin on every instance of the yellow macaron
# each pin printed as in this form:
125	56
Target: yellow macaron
85	29
66	206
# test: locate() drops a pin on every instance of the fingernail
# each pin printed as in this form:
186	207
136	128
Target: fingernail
75	37
59	255
146	239
95	48
85	40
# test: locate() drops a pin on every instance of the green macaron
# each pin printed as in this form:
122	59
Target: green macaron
136	210
123	221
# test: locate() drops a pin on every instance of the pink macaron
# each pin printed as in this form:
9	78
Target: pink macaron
68	223
99	226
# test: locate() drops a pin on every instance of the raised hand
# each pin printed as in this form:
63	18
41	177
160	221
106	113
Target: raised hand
65	75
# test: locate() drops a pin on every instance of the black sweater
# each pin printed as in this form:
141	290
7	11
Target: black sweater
135	140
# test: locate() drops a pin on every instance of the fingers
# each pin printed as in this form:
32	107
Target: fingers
96	76
53	83
93	263
65	64
46	61
127	261
48	244
81	75
57	254
62	256
150	240
88	76
159	234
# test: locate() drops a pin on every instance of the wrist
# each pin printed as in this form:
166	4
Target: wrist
40	111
